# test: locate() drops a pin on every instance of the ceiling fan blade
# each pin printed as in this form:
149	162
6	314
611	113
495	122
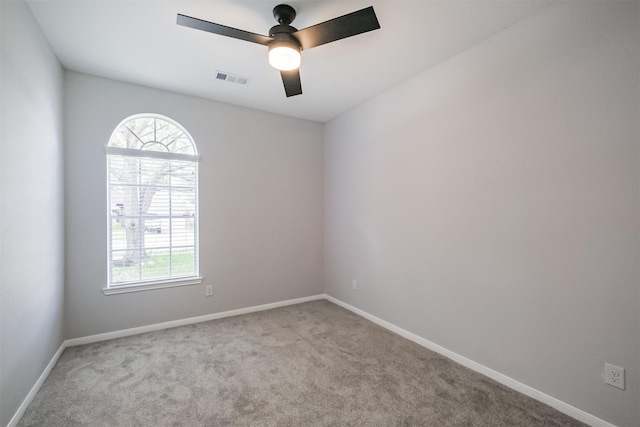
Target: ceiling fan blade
348	25
292	83
223	30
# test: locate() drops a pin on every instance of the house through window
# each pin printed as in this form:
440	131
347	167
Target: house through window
152	180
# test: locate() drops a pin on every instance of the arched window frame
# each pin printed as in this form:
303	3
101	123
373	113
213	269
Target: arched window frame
149	152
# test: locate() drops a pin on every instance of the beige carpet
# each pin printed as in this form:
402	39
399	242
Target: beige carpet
313	364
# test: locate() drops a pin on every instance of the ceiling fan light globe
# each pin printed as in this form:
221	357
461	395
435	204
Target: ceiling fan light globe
284	58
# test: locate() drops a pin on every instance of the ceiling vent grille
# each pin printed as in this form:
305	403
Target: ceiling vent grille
232	78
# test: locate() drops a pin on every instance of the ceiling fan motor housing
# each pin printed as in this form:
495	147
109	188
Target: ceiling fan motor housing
283	35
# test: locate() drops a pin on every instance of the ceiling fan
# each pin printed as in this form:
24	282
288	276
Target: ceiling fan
285	42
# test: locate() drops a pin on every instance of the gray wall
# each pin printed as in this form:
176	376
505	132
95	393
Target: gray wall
261	206
31	205
491	204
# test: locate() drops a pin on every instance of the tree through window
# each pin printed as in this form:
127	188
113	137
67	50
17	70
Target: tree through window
152	175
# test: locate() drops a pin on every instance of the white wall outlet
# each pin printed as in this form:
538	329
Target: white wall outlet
354	284
614	375
208	290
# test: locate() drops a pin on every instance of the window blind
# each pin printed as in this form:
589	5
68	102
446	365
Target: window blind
153	230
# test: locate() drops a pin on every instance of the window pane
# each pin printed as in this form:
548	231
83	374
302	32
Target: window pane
152	134
182	262
156	233
155	172
156	265
155	202
183	202
118	236
183	174
182	233
152	204
182	145
123	270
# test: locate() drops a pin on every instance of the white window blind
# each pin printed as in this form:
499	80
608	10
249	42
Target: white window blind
153	204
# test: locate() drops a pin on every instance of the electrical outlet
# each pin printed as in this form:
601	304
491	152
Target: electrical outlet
354	284
208	290
614	375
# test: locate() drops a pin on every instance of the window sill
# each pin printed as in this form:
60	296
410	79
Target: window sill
148	286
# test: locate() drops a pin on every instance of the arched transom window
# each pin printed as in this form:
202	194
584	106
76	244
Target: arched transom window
152	176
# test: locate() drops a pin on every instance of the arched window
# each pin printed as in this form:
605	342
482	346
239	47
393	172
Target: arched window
152	180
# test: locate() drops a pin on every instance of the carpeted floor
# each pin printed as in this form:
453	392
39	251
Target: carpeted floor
313	364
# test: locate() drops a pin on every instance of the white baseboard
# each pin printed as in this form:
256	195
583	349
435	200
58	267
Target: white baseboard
36	387
561	406
188	321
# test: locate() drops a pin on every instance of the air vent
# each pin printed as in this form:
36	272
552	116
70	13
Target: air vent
232	78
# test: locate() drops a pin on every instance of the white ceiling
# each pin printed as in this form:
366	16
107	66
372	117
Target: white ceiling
138	41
